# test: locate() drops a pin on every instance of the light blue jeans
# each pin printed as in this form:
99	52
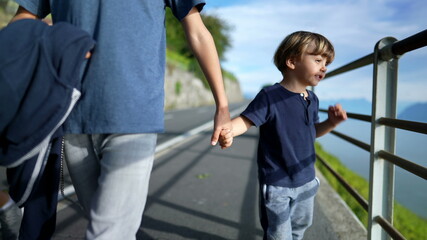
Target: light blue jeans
288	211
110	173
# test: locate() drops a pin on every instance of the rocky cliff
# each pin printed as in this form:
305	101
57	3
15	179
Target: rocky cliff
184	90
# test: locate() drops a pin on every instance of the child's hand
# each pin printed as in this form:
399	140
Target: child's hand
225	138
336	114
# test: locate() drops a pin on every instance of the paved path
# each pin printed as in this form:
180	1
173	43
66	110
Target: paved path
202	192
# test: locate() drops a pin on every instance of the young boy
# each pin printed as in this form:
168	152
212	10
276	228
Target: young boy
287	115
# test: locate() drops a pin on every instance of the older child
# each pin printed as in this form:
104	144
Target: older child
287	114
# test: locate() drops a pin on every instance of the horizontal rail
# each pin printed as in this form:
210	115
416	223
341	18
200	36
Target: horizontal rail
398	48
409	166
361	62
362	117
392	232
411	43
386	50
403	124
345	184
356	142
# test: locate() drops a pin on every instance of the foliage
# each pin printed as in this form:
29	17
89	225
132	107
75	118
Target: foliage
357	182
178	88
229	75
176	40
219	30
3	4
408	223
177	59
8	6
175	36
178	50
7	9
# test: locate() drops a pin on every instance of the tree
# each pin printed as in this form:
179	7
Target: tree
176	41
176	37
3	4
220	33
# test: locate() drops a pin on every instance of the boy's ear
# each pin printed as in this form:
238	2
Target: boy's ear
290	63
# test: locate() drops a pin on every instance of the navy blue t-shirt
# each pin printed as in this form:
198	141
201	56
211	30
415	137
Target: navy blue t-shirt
286	152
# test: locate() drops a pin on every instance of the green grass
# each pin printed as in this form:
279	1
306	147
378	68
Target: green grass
406	222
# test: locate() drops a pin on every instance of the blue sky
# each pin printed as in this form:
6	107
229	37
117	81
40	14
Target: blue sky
353	26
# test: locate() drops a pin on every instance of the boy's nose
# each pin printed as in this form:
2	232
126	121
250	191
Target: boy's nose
323	69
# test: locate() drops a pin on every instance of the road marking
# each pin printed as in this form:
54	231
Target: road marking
192	132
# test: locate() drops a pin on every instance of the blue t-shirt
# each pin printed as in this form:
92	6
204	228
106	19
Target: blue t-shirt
286	152
123	84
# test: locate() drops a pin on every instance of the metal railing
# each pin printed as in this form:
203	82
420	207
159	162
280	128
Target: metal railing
383	128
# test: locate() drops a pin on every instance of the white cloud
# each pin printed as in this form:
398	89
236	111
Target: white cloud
352	26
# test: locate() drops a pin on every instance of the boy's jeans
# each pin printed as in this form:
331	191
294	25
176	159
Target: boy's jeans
110	173
287	212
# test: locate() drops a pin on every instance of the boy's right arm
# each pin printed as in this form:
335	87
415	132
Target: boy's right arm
240	125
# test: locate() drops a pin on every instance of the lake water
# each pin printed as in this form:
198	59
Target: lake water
410	190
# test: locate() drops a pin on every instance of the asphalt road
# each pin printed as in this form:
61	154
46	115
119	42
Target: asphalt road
202	192
178	122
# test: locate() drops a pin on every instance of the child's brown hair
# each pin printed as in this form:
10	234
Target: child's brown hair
295	44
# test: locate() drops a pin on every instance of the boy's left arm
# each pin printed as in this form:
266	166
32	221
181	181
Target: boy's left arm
203	47
336	115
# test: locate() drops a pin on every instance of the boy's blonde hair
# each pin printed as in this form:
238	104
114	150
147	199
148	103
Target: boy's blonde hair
295	44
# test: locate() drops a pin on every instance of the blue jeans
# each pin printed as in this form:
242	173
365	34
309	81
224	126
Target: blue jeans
287	212
110	173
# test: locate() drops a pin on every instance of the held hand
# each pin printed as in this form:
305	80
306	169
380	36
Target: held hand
225	138
336	114
221	122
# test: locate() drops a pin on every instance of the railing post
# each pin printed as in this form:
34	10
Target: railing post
381	184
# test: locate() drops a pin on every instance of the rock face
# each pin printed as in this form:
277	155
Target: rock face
184	90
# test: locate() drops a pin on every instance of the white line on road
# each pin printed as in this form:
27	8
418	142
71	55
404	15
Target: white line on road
192	132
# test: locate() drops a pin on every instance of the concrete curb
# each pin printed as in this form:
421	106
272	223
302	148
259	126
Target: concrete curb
345	223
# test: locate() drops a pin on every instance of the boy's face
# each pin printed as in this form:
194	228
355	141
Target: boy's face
310	68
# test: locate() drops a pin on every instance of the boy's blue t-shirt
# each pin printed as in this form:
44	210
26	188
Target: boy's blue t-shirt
122	88
286	152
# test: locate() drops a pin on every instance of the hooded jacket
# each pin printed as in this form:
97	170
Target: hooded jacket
40	76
